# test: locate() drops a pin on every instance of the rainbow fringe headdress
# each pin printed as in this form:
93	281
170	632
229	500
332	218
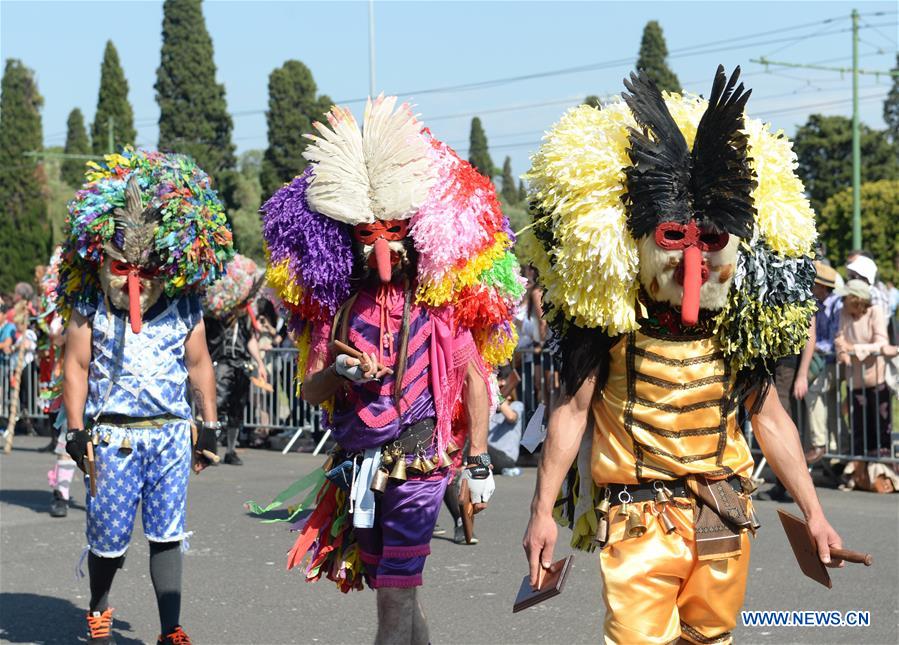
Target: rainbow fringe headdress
393	169
234	288
192	241
587	258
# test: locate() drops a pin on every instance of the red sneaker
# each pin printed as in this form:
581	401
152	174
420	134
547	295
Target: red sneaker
99	627
177	637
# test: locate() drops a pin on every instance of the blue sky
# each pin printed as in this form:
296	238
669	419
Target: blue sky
427	45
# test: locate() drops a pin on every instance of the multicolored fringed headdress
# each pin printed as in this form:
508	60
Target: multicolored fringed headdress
393	174
234	289
145	222
681	172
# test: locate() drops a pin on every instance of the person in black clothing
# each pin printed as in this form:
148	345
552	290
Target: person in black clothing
234	349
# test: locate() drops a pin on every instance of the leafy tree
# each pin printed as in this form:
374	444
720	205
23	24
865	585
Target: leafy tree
24	234
522	193
824	147
112	103
517	214
593	101
478	154
653	58
509	191
76	144
245	221
193	115
891	108
880	225
292	107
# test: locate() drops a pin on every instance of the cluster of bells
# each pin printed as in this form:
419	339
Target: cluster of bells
97	438
420	465
635	526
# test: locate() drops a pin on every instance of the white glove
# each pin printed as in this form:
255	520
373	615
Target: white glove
481	489
354	373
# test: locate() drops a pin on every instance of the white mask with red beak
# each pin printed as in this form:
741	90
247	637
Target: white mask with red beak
128	275
382	245
689	209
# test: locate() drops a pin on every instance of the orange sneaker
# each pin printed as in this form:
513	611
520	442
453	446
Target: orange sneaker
177	637
99	627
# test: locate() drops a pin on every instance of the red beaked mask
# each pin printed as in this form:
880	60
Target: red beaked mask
134	275
693	270
379	234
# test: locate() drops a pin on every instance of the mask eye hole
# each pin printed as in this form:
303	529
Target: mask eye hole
713	241
673	235
394	229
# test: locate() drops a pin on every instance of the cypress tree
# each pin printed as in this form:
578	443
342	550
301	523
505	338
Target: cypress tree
24	234
292	107
193	116
76	144
508	190
653	58
522	193
891	108
478	154
112	103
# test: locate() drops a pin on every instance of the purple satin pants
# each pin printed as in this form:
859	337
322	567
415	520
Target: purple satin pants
394	550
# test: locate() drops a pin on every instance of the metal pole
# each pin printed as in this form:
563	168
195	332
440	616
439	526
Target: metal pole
371	47
856	145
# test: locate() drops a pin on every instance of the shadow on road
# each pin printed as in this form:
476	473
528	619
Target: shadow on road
36	500
30	618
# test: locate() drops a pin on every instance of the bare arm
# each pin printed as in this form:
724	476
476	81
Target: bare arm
200	372
509	414
779	440
322	383
800	386
563	440
253	348
477	409
76	363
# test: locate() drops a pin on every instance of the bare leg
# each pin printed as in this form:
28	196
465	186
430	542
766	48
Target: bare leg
400	619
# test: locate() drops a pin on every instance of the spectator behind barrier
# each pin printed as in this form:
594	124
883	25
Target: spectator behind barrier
504	435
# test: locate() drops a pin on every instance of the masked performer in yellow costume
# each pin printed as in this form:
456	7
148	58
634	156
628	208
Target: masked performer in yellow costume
674	245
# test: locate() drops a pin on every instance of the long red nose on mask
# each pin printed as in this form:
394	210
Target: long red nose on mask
689	311
382	259
134	301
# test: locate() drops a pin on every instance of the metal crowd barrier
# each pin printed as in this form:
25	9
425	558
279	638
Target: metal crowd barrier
279	408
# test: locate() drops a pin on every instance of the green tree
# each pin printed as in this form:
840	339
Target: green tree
653	58
24	234
824	148
193	115
245	222
891	108
593	101
478	154
112	103
76	144
292	107
880	225
522	194
509	191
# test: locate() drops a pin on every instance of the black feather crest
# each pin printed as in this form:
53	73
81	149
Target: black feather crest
667	182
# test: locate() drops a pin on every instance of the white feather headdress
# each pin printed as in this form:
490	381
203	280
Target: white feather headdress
382	172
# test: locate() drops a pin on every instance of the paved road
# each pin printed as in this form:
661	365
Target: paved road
237	590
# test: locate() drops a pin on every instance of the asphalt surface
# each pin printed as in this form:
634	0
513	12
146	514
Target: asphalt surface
237	590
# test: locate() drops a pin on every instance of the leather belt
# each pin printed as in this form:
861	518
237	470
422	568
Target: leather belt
646	491
413	439
127	421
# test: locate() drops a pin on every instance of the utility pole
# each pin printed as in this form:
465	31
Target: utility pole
856	134
371	48
856	144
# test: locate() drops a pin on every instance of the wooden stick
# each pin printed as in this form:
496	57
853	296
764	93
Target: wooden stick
91	468
343	348
851	556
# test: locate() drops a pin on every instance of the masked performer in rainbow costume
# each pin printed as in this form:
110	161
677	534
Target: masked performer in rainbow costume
674	245
391	244
143	235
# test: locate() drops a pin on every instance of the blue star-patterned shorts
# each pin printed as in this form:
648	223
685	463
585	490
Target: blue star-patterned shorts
154	472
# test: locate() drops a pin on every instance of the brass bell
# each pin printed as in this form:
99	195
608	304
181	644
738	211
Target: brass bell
379	481
623	509
387	458
663	495
451	447
635	527
417	464
667	524
602	530
399	469
427	465
126	445
445	461
95	438
603	508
